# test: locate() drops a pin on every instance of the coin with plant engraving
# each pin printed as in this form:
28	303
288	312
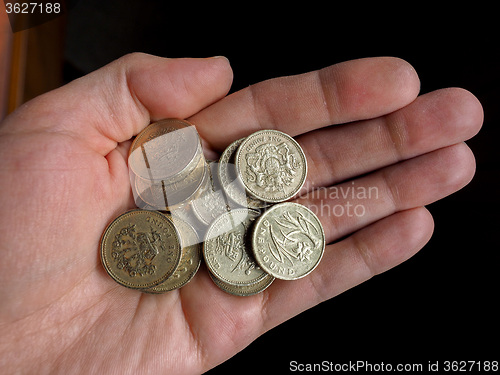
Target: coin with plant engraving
288	241
140	249
227	250
271	165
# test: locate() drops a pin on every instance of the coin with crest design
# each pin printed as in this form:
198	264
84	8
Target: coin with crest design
226	248
190	258
271	165
140	249
288	241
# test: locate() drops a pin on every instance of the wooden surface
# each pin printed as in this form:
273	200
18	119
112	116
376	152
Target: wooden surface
5	57
31	61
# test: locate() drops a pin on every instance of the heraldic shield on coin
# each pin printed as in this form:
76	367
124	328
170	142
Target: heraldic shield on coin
140	249
271	165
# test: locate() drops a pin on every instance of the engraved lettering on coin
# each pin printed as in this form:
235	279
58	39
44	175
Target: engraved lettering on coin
190	259
140	249
288	241
271	165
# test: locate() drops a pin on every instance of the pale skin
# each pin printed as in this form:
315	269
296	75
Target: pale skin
64	177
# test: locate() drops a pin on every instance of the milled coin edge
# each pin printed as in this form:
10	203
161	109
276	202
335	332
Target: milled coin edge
243	290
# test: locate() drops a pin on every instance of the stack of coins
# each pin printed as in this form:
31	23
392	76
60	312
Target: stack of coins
232	213
166	164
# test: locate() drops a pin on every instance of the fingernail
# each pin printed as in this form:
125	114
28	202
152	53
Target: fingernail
219	57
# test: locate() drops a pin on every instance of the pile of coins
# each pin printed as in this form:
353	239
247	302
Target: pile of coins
231	213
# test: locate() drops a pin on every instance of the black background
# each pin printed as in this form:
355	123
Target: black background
442	303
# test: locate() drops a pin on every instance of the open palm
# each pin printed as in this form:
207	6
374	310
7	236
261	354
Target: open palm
63	177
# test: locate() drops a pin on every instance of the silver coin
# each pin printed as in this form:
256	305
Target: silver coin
227	250
288	241
271	165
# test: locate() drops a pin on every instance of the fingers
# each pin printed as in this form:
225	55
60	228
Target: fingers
350	206
389	229
345	92
435	120
114	103
370	251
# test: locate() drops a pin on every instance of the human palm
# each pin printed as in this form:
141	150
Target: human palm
64	177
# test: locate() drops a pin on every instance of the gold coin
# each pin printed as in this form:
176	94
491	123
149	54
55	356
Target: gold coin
288	241
140	249
165	150
226	248
271	165
190	259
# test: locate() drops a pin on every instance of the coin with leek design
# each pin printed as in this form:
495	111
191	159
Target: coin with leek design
227	250
140	249
271	165
288	241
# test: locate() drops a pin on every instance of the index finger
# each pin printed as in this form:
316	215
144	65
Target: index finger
348	91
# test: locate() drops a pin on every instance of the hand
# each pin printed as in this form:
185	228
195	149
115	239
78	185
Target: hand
64	177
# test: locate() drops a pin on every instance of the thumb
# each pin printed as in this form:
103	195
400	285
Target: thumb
116	102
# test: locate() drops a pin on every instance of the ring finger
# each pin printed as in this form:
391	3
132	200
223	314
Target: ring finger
352	205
